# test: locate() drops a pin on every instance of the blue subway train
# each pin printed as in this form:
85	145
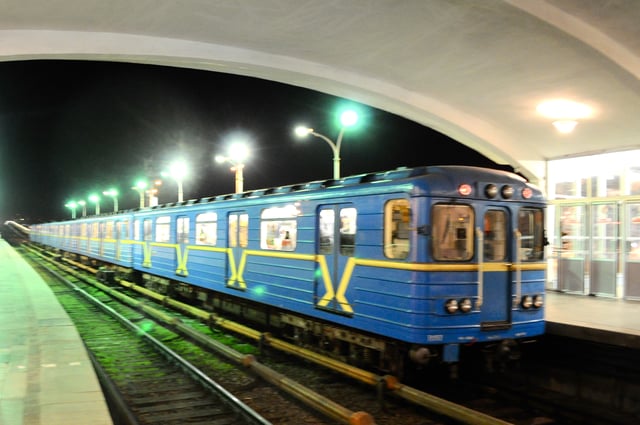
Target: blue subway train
409	265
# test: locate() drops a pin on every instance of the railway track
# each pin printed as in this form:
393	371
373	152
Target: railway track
148	382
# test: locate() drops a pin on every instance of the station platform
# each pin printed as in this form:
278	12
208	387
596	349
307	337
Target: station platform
598	319
46	376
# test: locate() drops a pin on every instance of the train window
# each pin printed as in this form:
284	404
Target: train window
233	230
327	220
109	230
83	230
347	230
279	228
206	228
182	230
239	230
530	225
123	231
94	230
495	238
146	224
452	232
397	218
163	229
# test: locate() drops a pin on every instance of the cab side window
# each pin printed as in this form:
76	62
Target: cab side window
397	219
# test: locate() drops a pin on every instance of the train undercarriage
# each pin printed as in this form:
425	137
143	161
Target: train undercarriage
359	349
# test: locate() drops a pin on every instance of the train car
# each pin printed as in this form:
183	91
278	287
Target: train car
382	268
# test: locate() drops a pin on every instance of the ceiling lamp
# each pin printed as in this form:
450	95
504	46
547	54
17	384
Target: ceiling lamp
565	113
565	126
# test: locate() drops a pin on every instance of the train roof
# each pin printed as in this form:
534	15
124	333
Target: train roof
446	175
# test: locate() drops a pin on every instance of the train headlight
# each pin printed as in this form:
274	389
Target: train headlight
538	301
527	193
491	190
527	301
465	305
451	306
507	191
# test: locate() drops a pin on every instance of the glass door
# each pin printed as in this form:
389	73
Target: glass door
604	248
632	252
572	251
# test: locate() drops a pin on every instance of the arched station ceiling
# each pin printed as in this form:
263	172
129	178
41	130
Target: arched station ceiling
474	70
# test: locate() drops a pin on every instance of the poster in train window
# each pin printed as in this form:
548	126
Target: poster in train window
279	228
206	228
452	234
397	218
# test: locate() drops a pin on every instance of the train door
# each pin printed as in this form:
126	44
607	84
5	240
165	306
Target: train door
572	247
632	252
182	239
496	285
336	244
237	241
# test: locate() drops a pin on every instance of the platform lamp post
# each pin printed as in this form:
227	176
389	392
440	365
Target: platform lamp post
140	187
72	205
237	154
83	204
177	171
347	119
112	193
154	193
96	200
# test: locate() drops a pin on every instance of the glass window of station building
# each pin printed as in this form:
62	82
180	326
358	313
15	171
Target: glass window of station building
594	204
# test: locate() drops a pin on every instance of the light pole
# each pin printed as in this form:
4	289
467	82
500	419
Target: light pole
140	187
96	200
113	193
83	204
72	205
177	171
347	119
238	152
153	192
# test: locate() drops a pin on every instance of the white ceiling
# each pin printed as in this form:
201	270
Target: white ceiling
472	69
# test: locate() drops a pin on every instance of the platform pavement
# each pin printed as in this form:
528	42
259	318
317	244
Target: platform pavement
605	320
46	376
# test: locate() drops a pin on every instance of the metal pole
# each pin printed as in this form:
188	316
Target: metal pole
239	178
180	194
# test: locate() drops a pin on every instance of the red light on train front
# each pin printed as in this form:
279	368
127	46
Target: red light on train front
464	189
527	193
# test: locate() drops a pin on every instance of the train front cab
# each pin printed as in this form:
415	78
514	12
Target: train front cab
499	298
